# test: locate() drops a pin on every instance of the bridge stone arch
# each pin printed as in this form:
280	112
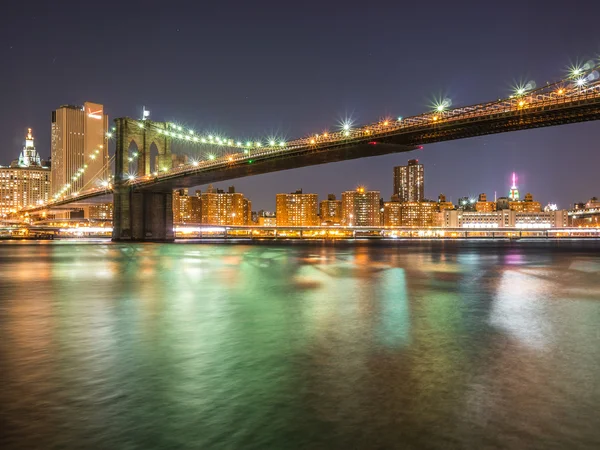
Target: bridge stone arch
141	215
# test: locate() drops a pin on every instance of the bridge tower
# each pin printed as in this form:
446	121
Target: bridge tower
141	214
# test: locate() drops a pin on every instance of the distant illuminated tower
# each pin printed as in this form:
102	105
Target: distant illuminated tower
29	157
514	192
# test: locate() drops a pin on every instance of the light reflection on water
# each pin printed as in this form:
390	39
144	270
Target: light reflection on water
410	345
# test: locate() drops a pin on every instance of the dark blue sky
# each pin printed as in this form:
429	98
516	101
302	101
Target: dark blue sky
253	68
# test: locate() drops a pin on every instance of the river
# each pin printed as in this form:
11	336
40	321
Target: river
431	344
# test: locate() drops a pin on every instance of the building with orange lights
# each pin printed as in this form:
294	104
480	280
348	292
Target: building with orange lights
391	214
330	211
483	205
586	215
418	214
296	209
360	208
409	182
79	148
187	208
26	182
225	208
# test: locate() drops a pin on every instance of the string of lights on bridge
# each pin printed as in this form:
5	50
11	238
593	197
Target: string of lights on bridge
578	79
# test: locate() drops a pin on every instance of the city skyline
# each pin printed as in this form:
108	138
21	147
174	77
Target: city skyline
299	102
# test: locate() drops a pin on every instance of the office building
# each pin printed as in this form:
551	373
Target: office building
296	209
409	182
225	208
26	182
79	148
443	204
360	208
330	211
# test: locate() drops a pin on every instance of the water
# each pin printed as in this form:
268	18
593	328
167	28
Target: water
405	345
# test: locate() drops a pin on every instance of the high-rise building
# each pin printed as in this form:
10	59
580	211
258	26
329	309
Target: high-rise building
513	194
526	205
296	209
26	182
409	182
225	208
79	148
330	211
360	208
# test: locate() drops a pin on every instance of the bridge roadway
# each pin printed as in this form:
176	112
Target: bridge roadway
553	105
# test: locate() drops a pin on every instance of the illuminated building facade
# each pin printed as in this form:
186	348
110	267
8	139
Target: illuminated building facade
504	218
527	205
513	194
101	211
360	208
26	182
483	205
418	214
296	209
409	182
79	147
391	214
187	208
330	211
586	215
225	208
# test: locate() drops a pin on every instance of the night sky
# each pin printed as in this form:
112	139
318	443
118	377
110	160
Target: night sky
252	68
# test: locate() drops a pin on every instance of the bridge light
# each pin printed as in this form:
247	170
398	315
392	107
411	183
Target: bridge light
258	144
211	157
246	151
195	163
312	141
178	128
130	159
203	140
325	134
272	143
581	81
191	131
155	174
521	104
180	136
400	119
108	135
210	136
346	126
188	138
165	169
131	177
105	183
346	133
282	144
195	139
561	91
93	156
238	143
385	123
230	158
141	125
248	144
435	118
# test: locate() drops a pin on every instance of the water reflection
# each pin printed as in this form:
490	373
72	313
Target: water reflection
309	346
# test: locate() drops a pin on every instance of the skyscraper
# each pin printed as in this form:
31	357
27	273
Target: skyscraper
79	147
514	192
296	209
26	182
409	182
360	208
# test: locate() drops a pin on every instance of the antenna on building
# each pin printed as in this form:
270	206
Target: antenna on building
495	195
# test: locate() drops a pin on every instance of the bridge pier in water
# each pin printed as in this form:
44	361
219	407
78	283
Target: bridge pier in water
141	214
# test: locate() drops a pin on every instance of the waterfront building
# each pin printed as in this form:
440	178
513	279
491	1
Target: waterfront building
483	205
101	211
526	205
224	208
418	214
26	182
296	209
267	219
330	211
585	214
79	148
187	208
391	214
443	204
360	208
409	182
506	218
